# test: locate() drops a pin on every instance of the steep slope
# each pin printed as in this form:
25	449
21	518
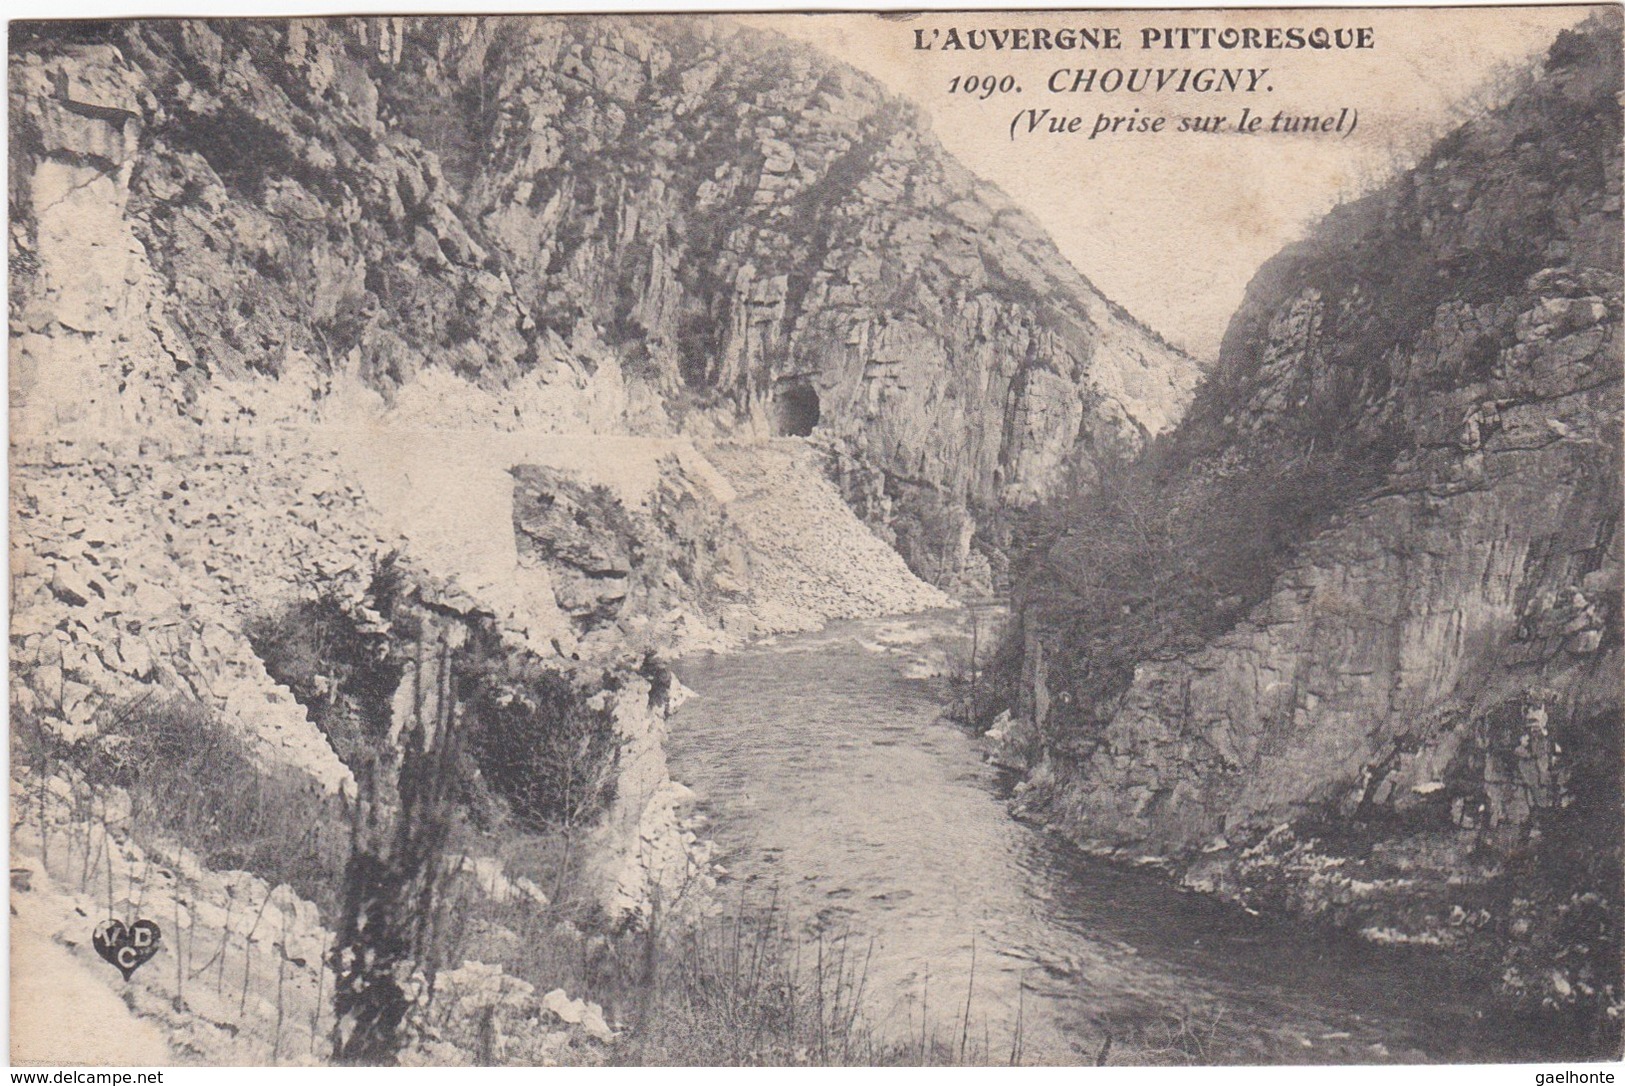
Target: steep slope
639	224
1348	642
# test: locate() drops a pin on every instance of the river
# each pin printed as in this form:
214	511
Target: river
833	787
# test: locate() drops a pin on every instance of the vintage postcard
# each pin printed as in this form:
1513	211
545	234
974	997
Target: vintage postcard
869	538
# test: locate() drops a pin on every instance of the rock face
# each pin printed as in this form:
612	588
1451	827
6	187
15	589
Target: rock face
275	320
133	578
637	224
743	541
1411	725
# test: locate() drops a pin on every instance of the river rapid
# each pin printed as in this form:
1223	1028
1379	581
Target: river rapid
835	789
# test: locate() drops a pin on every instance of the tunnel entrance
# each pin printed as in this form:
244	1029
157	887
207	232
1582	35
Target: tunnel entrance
795	409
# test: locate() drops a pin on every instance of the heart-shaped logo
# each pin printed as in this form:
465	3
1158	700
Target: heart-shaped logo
127	948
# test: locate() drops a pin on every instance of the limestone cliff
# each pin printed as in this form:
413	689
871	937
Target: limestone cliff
1348	643
618	225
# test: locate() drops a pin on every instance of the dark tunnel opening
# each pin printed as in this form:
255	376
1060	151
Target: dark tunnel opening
795	409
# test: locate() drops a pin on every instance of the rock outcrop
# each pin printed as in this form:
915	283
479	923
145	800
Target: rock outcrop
276	323
293	296
1391	697
140	576
615	224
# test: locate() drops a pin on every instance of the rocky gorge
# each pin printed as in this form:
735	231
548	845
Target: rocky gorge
394	400
621	226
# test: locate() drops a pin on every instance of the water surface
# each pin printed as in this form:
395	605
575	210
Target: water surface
831	784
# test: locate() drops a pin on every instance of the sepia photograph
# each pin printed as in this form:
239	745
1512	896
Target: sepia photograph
997	538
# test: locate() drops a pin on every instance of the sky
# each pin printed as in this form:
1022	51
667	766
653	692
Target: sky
1172	226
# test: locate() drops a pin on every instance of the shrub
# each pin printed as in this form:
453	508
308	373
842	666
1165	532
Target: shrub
538	742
